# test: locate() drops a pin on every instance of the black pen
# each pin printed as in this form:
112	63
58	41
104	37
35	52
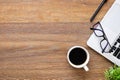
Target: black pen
97	10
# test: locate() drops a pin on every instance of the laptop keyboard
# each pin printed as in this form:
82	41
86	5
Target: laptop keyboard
116	48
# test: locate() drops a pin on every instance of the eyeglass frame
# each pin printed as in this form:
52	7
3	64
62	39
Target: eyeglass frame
104	36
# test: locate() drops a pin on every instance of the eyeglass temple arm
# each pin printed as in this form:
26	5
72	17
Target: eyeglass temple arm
95	29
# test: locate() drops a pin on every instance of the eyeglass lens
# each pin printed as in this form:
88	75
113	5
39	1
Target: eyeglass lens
99	32
105	45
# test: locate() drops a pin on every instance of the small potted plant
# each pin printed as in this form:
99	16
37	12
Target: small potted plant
113	73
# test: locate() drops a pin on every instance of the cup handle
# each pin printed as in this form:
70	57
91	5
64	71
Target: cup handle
86	68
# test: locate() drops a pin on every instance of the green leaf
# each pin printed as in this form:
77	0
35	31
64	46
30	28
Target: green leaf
113	73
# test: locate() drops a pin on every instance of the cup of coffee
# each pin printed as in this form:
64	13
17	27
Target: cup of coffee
78	57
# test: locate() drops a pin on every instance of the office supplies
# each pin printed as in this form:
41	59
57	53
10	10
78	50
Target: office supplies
111	26
115	50
97	10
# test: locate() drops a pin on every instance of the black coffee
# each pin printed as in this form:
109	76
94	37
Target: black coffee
77	56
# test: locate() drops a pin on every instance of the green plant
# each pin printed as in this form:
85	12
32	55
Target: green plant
113	73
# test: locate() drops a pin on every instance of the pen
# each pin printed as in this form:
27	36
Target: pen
97	10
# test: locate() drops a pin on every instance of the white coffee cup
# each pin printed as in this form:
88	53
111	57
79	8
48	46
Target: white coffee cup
78	57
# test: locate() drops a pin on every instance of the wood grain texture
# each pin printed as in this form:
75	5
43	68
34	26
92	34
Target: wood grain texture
35	36
49	10
38	51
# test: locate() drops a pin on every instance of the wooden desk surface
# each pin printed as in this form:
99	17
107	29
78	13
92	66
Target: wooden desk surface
35	36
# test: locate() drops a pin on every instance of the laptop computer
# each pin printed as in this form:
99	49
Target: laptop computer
111	26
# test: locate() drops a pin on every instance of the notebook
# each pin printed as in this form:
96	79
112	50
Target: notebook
111	27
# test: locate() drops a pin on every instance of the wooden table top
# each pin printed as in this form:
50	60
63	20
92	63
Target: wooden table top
35	36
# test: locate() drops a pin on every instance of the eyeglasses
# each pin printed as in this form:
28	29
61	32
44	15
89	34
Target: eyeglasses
99	32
